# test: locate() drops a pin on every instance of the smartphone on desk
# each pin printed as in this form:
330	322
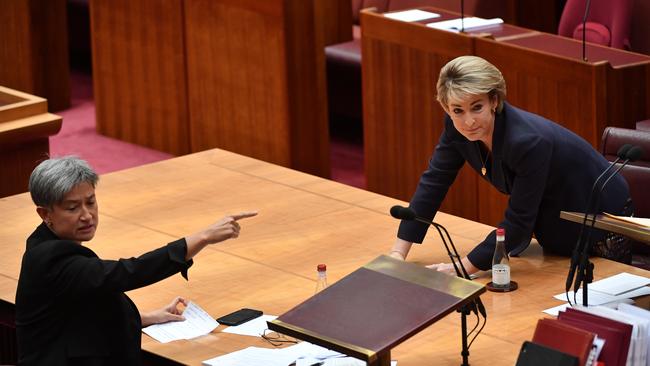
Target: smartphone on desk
240	316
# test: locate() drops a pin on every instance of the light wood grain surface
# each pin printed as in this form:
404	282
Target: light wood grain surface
304	220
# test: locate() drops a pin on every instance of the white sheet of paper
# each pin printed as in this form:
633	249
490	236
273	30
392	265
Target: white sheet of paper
254	327
252	356
555	310
197	323
454	25
413	15
598	298
311	351
620	283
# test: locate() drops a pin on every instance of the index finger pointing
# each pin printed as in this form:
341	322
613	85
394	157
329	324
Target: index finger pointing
243	215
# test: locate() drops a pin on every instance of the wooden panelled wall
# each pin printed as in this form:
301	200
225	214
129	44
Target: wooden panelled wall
34	49
247	76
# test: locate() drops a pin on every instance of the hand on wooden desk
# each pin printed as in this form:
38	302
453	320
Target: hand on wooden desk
224	229
169	313
449	268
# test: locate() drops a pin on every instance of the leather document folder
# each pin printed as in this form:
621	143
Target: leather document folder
376	307
564	338
623	330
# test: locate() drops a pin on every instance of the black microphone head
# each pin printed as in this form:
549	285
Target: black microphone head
634	153
622	151
402	213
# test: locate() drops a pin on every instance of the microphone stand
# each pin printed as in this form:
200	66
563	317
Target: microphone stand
466	309
575	257
585	273
462	16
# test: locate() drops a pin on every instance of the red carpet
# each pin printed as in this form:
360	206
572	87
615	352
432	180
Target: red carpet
78	137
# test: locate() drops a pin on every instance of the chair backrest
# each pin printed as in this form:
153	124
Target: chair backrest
608	22
637	173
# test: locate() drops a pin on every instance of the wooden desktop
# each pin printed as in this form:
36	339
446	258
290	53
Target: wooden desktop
303	221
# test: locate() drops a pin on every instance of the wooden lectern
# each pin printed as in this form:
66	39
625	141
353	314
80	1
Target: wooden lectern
376	307
25	127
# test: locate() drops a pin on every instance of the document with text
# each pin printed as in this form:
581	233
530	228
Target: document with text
197	323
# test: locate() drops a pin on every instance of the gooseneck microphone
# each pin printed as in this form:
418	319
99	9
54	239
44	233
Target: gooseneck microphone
584	31
408	214
584	272
621	154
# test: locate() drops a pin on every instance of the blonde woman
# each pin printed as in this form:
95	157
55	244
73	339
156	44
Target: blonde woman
543	167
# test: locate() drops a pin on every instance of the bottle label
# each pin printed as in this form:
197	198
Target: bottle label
501	275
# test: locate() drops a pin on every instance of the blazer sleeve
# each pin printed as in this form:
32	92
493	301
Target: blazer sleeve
432	188
76	273
532	167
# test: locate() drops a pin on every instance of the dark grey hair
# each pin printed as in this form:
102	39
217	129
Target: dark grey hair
53	178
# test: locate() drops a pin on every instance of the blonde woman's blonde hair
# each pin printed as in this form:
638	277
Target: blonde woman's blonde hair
470	75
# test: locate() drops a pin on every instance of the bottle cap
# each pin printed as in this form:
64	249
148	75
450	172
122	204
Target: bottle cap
321	268
501	231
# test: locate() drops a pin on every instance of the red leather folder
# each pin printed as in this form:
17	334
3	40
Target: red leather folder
626	329
565	338
611	353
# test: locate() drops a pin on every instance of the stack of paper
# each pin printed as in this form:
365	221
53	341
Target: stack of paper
455	25
412	15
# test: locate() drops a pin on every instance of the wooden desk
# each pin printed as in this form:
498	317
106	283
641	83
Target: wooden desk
246	76
544	75
25	128
304	220
609	224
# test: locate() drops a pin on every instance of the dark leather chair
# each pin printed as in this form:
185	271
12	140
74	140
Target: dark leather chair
637	175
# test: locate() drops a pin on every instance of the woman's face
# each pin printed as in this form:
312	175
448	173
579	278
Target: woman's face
75	218
473	116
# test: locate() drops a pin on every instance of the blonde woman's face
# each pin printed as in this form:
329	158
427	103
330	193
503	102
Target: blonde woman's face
473	116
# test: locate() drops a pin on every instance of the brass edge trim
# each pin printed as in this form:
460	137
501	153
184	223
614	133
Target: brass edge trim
371	355
413	273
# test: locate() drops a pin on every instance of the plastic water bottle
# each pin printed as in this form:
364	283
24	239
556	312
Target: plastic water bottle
500	262
321	282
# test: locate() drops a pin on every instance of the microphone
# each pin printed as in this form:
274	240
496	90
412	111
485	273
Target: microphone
621	154
462	15
408	214
632	154
584	31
